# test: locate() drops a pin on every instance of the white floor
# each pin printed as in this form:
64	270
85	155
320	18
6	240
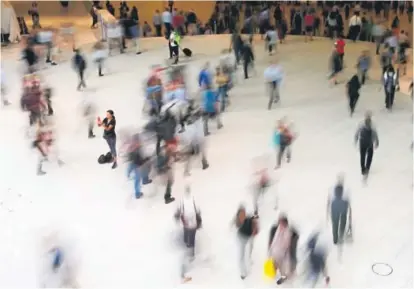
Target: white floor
126	243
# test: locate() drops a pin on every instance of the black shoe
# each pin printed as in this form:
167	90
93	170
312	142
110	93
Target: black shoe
114	165
41	173
243	277
281	280
138	53
169	200
91	136
53	63
147	182
220	126
100	75
205	166
48	61
139	196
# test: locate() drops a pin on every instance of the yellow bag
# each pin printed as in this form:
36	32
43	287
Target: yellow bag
269	269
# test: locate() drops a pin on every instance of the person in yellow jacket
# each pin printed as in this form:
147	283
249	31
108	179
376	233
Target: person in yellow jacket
174	45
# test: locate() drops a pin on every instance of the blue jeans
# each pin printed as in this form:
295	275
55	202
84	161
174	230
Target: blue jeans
222	92
138	174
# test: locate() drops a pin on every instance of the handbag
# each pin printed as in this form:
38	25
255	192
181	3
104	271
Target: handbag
269	269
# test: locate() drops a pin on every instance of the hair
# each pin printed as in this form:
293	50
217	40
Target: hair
111	112
283	220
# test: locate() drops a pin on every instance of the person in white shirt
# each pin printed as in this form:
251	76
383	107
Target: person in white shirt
273	76
354	27
189	215
271	39
167	20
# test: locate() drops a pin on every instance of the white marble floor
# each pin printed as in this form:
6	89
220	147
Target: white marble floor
128	243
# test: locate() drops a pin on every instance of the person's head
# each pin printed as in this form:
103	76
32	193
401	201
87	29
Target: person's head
166	9
340	179
241	214
339	191
157	11
402	32
110	114
368	118
145	22
283	222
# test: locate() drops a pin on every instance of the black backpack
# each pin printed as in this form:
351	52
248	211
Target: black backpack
104	159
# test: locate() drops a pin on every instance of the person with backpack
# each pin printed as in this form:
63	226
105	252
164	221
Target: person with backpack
190	216
390	82
282	139
282	243
353	87
367	137
247	229
339	211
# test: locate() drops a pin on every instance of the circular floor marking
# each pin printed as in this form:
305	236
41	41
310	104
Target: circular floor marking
382	269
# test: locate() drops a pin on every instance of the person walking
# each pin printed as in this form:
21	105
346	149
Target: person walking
190	216
248	58
79	64
273	76
138	165
167	20
282	139
353	87
363	65
279	249
108	124
247	229
157	22
390	81
339	211
367	137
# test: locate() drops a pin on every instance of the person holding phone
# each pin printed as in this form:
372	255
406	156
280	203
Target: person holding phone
109	123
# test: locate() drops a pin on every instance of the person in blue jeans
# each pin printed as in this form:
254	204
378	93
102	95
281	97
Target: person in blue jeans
210	108
139	166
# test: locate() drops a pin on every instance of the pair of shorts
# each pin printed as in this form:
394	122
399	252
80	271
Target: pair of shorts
309	29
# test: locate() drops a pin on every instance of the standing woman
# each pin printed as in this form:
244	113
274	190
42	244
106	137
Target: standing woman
353	87
109	124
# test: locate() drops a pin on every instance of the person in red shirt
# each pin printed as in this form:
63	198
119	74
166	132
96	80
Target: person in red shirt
340	48
309	21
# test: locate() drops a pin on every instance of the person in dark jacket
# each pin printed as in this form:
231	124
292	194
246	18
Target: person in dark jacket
353	87
247	229
316	262
236	44
79	64
110	8
248	58
367	137
165	160
336	66
109	123
390	82
30	57
339	211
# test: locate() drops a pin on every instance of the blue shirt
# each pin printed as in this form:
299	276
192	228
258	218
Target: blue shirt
210	97
204	78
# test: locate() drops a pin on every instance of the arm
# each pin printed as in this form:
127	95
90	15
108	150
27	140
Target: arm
375	138
356	138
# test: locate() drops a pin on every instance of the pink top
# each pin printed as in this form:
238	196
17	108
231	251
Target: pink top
309	20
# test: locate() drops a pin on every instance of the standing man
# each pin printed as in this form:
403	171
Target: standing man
367	137
157	21
174	43
390	81
167	20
